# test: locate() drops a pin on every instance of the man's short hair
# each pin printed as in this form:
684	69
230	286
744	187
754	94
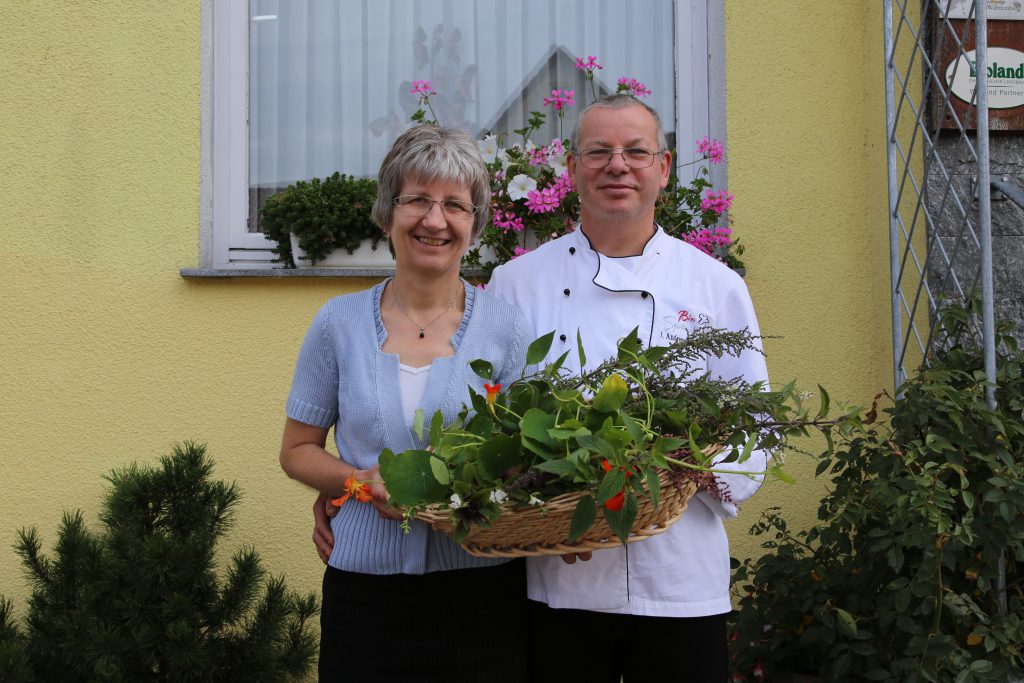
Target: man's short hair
428	153
617	101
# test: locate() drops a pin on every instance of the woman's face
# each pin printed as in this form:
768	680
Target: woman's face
435	241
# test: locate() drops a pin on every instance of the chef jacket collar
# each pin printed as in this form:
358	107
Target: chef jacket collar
608	273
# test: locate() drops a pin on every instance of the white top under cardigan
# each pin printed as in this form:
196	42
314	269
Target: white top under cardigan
565	285
343	379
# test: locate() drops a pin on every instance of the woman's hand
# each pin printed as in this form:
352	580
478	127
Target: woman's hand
379	492
324	510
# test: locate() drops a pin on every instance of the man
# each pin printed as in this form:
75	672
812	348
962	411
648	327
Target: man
655	610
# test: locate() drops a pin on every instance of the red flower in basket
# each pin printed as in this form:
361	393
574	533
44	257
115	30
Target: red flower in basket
616	502
607	466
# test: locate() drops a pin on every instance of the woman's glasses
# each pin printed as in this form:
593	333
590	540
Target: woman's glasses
418	205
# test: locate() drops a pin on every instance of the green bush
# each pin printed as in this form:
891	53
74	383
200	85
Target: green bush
897	580
143	599
328	214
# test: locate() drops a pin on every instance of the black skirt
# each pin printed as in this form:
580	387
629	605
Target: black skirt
458	626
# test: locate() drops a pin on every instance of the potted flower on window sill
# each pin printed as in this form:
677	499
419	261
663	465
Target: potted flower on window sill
533	199
556	462
326	223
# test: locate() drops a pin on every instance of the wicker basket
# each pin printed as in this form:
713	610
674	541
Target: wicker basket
544	529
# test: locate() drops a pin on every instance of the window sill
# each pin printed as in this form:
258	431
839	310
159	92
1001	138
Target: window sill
212	273
285	272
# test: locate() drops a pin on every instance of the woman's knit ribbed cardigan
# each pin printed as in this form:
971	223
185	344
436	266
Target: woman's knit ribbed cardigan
343	379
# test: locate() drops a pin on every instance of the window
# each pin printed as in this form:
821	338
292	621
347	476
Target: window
301	88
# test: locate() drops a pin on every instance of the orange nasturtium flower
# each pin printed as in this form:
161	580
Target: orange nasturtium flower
492	393
354	487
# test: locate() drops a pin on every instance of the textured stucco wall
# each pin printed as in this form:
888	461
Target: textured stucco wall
108	356
806	126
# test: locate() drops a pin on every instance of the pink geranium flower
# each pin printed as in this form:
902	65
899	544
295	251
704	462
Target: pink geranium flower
422	89
719	202
712	150
633	87
709	240
543	201
560	99
507	220
589	65
538	156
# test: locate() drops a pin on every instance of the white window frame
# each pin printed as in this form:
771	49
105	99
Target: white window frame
225	242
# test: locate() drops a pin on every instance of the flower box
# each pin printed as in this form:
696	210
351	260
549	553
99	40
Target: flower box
365	256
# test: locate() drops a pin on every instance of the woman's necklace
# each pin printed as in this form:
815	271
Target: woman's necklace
423	328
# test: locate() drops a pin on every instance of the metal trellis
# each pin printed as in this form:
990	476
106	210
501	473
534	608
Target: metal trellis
940	216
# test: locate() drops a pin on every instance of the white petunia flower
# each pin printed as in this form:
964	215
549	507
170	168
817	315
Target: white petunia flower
557	162
534	500
498	496
456	501
521	186
488	148
502	156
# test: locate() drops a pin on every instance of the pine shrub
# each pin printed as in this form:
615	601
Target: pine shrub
144	599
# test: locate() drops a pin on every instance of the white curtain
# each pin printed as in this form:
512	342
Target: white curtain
330	79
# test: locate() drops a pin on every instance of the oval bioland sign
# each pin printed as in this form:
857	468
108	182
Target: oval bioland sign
1005	74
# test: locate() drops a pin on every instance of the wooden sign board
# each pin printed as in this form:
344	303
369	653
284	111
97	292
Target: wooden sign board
957	70
996	9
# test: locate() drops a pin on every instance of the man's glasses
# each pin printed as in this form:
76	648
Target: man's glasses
417	205
634	157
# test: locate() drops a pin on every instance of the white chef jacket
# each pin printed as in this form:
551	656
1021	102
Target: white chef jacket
564	285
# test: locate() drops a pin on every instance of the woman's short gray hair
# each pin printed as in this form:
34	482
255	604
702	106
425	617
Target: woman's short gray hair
618	101
428	153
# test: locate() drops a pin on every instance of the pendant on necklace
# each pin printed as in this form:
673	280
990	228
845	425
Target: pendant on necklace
422	334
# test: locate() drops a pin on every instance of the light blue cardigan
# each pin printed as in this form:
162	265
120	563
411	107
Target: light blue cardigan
343	379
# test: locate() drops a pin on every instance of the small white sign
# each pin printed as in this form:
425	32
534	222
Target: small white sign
1012	10
1005	77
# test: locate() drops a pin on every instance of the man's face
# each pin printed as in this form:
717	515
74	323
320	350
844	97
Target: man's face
617	190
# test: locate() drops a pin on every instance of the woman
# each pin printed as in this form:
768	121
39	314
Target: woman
408	606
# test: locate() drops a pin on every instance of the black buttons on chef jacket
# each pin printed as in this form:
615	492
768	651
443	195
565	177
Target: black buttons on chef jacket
561	337
643	295
565	291
572	250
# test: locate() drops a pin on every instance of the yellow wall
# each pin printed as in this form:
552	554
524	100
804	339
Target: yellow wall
806	125
107	355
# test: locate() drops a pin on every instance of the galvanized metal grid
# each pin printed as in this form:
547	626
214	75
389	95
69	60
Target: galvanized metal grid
940	226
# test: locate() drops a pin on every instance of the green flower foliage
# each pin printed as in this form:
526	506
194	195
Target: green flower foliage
328	214
678	210
606	433
144	599
897	581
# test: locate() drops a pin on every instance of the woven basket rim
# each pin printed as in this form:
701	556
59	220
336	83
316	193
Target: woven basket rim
506	539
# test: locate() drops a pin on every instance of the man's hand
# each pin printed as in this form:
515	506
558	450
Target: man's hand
570	558
323	539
